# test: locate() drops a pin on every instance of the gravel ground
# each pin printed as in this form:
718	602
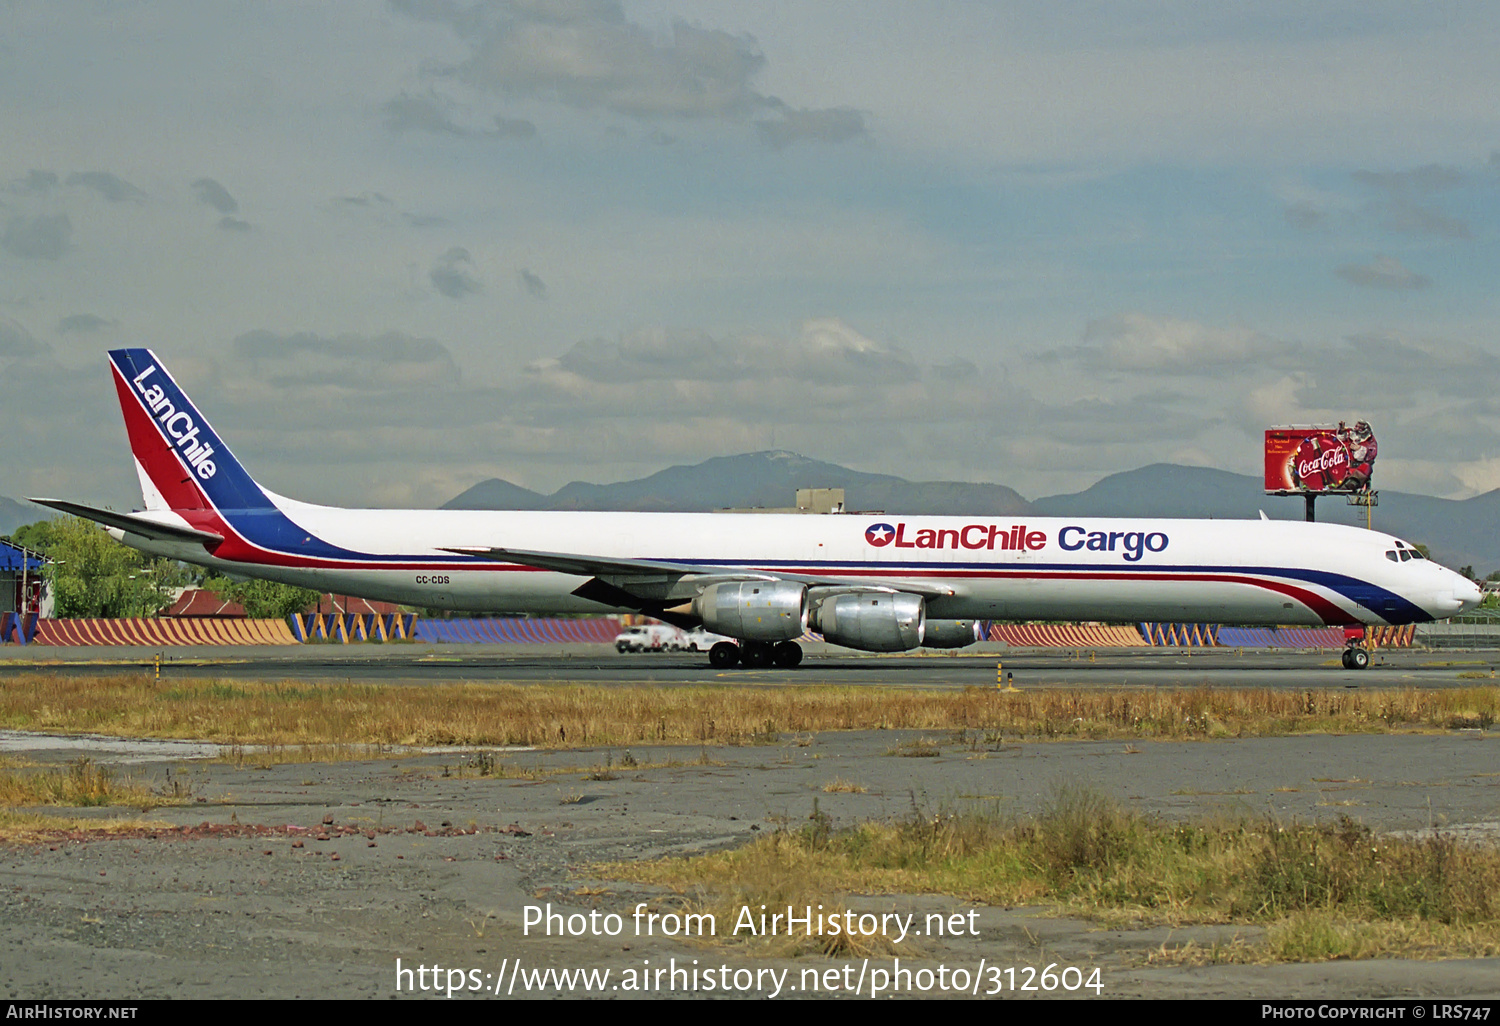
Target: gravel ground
312	880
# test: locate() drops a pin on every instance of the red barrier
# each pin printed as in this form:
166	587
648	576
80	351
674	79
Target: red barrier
163	632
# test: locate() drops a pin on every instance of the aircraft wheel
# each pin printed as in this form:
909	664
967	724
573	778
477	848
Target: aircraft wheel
723	655
1359	659
1344	658
787	654
755	655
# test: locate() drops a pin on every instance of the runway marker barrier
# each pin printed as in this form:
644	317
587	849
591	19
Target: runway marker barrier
1207	635
141	630
346	627
17	629
1065	635
507	630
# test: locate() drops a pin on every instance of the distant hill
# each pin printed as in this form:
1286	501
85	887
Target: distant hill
1459	532
767	479
13	514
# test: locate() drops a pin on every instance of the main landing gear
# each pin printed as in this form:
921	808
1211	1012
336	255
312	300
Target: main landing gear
755	655
1356	655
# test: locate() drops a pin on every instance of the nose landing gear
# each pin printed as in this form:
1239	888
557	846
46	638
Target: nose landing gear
1356	655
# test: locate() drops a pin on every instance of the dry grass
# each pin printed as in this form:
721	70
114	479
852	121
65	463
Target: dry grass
792	877
838	785
1331	891
564	716
82	784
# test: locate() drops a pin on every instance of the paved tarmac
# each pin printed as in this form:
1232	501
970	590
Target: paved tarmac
600	664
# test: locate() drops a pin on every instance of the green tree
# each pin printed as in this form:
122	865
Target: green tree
263	600
91	574
31	536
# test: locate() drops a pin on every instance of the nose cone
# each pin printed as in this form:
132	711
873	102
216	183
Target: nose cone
1468	595
1453	595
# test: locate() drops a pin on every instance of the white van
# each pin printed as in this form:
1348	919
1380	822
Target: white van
650	637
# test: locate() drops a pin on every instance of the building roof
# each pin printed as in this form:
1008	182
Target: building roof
201	602
13	558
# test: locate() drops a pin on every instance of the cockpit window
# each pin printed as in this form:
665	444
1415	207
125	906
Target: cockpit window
1405	555
1391	555
1416	554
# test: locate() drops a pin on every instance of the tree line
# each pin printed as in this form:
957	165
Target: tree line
92	575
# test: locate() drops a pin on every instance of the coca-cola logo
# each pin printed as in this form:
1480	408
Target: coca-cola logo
1320	462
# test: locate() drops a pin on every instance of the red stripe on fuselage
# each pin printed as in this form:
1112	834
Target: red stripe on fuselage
1329	612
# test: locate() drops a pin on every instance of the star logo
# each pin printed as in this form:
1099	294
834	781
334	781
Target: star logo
879	535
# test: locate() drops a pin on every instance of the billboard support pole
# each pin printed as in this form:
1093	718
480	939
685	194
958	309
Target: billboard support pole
1310	498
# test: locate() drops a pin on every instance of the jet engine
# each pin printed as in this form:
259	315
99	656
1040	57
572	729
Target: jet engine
950	633
872	621
754	610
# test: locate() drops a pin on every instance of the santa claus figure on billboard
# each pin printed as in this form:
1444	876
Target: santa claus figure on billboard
1362	451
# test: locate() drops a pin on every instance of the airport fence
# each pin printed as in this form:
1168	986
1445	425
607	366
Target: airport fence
1459	635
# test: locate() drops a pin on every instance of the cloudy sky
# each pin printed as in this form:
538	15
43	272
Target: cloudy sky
394	247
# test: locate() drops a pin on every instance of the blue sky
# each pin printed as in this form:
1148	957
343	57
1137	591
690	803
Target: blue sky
396	248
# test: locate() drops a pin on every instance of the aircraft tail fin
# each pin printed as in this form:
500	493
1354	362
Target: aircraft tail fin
182	462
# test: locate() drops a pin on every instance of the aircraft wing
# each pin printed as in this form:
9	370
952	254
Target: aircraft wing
622	570
132	523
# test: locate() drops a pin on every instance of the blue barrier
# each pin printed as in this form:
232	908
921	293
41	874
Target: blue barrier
17	629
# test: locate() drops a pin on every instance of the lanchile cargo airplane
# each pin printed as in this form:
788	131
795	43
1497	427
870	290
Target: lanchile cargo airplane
876	583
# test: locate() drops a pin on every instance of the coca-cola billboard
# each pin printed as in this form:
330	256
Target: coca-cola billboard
1320	458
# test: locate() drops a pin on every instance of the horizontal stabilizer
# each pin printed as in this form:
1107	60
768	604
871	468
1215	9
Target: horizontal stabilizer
132	524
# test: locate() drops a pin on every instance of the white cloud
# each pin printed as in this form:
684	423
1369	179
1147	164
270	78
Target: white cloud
1139	342
1384	272
450	274
588	55
215	195
111	187
45	237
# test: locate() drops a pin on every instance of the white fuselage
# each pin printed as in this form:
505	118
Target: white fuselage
997	568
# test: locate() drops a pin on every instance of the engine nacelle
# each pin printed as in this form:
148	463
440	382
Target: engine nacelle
950	633
872	621
754	610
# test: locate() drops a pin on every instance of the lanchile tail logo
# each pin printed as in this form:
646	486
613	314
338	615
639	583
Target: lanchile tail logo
880	535
177	423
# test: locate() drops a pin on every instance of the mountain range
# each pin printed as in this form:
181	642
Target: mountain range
1459	532
13	514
